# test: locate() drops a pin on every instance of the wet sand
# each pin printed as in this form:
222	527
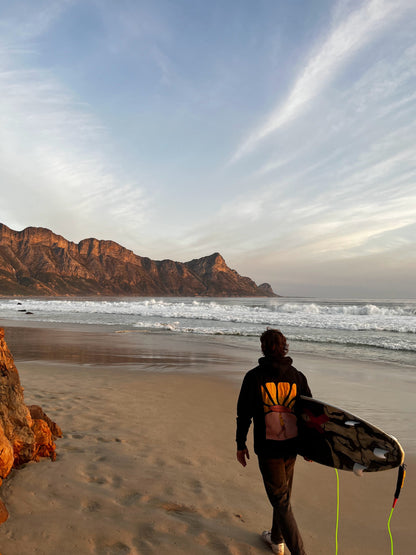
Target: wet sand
147	463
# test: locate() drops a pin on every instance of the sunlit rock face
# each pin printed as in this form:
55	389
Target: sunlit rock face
26	434
36	261
16	423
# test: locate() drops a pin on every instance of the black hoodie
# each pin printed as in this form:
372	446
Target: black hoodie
250	405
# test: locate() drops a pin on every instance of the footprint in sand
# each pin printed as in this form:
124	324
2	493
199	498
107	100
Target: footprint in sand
76	436
116	481
90	506
73	449
185	461
92	476
96	480
134	498
118	548
177	508
196	486
103	439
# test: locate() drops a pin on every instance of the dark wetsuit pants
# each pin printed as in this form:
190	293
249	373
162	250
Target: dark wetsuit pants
278	476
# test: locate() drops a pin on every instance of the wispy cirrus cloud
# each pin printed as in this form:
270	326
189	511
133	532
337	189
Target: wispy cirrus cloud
345	40
55	154
36	19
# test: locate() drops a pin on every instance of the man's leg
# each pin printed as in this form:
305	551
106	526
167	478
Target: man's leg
277	476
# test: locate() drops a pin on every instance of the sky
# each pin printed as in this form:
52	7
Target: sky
279	133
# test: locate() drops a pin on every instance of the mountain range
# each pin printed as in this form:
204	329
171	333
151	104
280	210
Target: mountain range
36	261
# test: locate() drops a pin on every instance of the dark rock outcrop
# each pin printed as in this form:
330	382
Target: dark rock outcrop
36	261
267	289
25	434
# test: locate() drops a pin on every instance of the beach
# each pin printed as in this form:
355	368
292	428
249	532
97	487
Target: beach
147	462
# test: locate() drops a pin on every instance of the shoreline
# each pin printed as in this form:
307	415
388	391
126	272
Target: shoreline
381	393
147	462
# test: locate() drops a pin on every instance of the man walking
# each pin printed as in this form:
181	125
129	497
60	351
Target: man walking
268	396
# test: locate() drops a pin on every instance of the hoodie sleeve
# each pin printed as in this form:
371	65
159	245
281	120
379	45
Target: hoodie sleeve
245	410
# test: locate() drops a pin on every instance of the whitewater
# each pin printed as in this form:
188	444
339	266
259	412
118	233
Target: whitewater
367	329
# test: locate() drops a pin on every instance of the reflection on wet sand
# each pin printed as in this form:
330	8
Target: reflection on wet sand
83	345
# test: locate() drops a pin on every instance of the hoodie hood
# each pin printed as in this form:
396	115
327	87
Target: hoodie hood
275	363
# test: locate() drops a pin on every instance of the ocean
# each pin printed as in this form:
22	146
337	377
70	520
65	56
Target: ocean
373	330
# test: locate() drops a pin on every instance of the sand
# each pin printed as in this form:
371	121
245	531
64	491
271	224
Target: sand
147	462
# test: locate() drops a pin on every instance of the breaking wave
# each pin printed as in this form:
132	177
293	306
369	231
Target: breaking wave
383	324
354	317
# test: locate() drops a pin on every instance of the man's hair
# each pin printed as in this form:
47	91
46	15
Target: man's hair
274	343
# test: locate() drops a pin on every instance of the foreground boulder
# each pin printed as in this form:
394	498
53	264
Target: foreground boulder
26	433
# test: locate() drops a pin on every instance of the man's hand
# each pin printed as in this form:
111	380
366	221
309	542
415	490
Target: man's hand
241	456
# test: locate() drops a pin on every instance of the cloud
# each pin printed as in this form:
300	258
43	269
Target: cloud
36	20
359	29
55	156
321	212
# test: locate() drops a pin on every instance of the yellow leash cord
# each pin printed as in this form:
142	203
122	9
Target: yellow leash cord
399	485
337	521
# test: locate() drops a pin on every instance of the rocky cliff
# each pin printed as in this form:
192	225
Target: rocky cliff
36	261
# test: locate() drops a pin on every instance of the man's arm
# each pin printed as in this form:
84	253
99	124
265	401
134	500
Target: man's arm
244	417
